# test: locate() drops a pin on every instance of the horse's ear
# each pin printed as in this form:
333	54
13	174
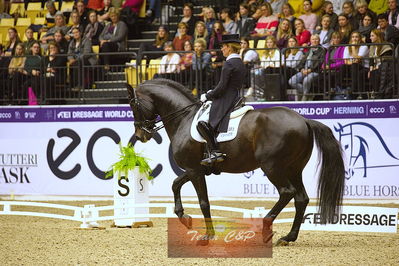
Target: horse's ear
130	90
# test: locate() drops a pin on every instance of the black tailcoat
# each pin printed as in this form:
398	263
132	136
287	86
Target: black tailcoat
226	93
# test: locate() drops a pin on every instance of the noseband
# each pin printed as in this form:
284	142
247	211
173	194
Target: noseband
150	126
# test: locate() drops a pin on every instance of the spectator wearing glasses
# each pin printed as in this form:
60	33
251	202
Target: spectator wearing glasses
267	23
33	68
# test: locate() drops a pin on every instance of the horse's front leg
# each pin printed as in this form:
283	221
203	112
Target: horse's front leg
185	219
199	183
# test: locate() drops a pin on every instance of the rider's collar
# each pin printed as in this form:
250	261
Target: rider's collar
233	56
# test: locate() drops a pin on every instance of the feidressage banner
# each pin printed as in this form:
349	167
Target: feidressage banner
64	150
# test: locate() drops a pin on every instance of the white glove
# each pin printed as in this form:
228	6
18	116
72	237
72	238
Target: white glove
203	98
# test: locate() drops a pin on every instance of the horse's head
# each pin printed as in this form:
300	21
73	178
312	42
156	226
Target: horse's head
144	114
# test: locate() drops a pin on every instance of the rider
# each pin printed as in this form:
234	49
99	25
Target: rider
223	97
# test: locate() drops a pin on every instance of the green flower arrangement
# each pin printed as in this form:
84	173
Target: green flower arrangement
129	160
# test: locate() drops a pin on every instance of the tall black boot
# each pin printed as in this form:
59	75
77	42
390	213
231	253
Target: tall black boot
213	155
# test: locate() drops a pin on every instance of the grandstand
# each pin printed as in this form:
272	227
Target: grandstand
101	83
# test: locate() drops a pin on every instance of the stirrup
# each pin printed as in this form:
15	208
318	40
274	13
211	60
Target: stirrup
215	157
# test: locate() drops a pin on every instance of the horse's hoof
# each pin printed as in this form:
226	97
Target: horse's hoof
281	242
187	221
268	238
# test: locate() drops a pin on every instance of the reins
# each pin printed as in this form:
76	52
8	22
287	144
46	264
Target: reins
150	125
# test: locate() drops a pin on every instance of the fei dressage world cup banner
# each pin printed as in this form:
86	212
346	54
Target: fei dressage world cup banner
65	150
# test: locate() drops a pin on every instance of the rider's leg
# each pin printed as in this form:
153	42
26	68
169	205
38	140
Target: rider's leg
209	135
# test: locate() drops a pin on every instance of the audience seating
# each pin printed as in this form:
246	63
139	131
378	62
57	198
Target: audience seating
22	25
17	8
34	10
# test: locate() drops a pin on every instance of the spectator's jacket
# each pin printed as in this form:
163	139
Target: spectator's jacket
52	30
327	38
119	34
315	57
203	62
245	27
33	63
336	61
93	32
81	52
391	34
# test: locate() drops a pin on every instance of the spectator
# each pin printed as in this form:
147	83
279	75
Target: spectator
366	27
154	10
325	32
328	9
55	74
78	56
178	41
209	18
334	61
103	14
93	29
245	24
380	74
214	44
201	32
52	11
201	65
267	24
229	24
134	5
75	19
349	11
344	28
338	6
188	18
33	69
82	12
95	5
309	69
249	58
362	10
309	18
112	38
393	13
287	12
391	33
62	43
15	72
13	40
269	64
186	61
356	65
301	34
169	65
277	6
291	58
284	32
29	40
59	25
160	39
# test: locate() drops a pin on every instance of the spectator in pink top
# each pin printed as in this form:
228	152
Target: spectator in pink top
301	34
135	5
267	23
309	18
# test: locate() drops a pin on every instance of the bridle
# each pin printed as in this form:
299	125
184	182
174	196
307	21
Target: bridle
150	125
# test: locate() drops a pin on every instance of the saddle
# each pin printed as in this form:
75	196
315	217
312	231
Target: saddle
235	117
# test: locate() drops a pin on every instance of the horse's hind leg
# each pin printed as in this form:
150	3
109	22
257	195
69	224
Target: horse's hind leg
176	187
286	191
301	201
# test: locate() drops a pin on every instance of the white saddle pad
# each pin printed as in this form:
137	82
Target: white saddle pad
203	115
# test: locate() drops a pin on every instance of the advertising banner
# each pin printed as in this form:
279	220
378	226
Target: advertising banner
65	150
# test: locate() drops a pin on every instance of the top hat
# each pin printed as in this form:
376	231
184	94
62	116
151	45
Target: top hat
230	38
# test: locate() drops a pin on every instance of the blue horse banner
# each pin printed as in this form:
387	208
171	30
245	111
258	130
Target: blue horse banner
64	150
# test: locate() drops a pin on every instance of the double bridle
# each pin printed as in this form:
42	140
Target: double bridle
150	126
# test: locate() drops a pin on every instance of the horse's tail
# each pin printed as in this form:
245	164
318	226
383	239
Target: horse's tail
332	172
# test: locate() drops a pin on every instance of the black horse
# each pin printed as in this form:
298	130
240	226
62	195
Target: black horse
278	140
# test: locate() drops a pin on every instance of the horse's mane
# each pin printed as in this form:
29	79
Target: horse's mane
175	85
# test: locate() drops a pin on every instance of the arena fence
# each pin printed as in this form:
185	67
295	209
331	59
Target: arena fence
83	82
